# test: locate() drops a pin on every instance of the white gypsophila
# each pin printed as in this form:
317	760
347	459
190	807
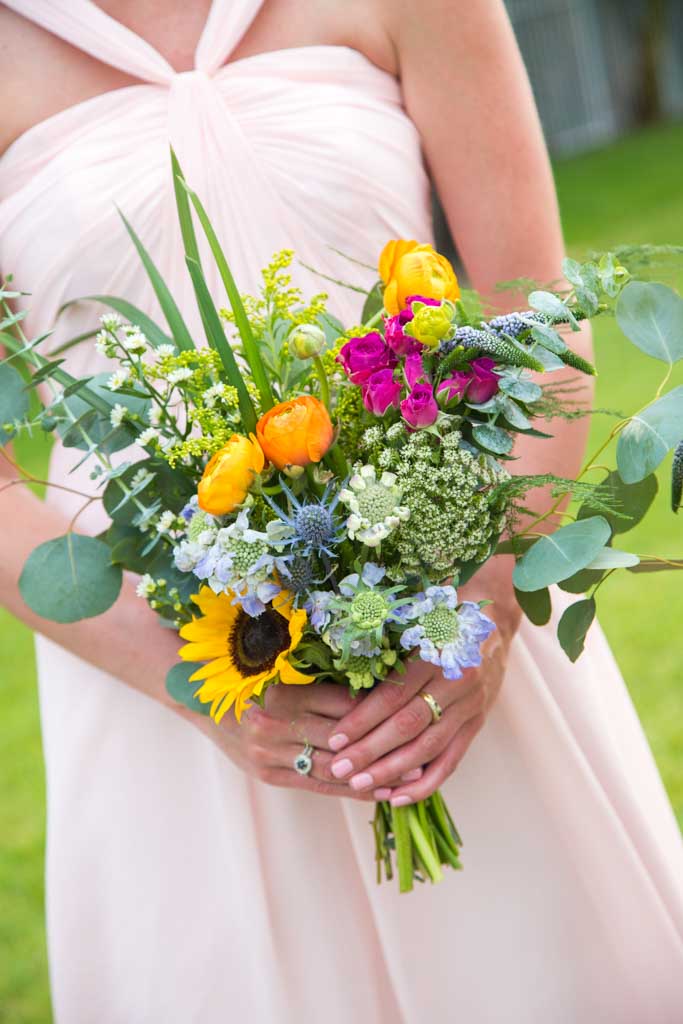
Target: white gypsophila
118	415
375	506
111	322
154	415
166	442
148	436
118	379
166	522
146	586
176	376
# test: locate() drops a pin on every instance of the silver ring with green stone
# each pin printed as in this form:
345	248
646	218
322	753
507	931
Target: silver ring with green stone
303	762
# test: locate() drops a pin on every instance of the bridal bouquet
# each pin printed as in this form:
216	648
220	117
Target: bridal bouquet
302	501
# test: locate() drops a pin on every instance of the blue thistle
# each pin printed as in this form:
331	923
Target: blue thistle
309	526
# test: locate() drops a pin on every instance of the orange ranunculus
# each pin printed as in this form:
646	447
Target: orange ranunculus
229	474
295	433
409	268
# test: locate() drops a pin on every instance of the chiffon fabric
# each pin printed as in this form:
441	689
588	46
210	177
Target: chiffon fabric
178	889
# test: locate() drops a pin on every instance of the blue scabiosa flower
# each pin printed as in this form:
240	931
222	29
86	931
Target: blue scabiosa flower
360	613
447	634
309	527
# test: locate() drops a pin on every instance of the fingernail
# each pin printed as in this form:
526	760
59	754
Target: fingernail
362	781
338	741
382	794
412	776
400	801
342	768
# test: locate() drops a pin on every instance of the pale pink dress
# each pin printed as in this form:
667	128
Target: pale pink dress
180	891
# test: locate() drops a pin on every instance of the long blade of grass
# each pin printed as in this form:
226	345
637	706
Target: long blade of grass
217	340
177	326
184	211
250	346
152	331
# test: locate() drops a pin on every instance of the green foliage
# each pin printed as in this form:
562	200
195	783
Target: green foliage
651	316
70	578
677	478
558	556
535	604
573	627
374	302
131	313
182	690
14	401
624	505
180	333
649	436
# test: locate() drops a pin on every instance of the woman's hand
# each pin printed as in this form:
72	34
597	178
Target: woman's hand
266	741
392	733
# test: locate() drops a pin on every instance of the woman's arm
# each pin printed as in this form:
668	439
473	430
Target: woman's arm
466	88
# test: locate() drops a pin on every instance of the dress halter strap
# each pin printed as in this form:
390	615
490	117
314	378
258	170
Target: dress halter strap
86	26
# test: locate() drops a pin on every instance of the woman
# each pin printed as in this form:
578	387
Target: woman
182	886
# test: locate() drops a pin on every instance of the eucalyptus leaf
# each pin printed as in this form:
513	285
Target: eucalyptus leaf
549	338
651	316
535	604
513	414
494	439
14	400
553	306
572	271
574	625
559	555
182	690
649	436
547	359
582	581
70	578
612	558
631	501
523	390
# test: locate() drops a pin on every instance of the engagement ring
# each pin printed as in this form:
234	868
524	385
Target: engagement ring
434	706
303	762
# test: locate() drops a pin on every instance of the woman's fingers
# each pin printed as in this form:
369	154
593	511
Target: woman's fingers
396	731
276	776
382	702
436	773
328	699
424	748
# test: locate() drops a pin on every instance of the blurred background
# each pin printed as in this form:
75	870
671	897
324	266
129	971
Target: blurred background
608	80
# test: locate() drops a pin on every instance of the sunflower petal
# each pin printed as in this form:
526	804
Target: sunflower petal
289	674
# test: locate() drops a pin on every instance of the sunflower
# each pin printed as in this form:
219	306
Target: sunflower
242	652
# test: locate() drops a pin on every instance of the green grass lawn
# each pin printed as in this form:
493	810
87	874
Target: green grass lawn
628	193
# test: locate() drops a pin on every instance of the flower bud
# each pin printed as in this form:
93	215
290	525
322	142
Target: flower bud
306	341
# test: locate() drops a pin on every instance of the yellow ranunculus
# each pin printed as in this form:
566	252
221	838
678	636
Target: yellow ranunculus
410	268
229	474
295	433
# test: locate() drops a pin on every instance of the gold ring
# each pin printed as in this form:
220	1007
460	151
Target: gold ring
434	706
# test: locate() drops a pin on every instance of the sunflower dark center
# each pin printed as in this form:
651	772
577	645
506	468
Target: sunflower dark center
255	643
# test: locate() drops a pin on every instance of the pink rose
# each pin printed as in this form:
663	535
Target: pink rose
407	314
397	340
419	409
478	384
362	357
414	369
380	391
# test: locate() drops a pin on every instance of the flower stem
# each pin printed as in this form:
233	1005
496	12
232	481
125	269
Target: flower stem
322	377
423	842
404	852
